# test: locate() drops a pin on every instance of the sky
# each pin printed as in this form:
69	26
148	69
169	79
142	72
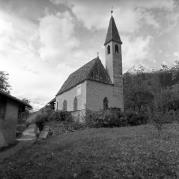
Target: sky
43	41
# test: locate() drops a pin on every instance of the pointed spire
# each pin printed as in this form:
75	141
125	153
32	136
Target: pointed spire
97	54
112	33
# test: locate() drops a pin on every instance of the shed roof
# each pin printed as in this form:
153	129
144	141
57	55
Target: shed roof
93	70
7	95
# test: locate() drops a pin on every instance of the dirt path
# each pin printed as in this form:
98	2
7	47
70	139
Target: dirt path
26	140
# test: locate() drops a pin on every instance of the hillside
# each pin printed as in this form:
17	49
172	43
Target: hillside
127	152
155	90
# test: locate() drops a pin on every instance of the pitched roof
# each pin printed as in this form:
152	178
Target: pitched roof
93	70
112	33
7	95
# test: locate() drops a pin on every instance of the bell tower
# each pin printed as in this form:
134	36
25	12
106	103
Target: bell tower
113	59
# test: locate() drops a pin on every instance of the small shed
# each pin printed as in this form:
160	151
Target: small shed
11	109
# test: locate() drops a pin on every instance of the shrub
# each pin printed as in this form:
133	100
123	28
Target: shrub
60	116
169	116
158	121
134	118
112	117
46	116
177	115
93	119
40	120
159	118
71	126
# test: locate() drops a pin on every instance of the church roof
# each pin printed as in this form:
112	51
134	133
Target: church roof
93	70
112	33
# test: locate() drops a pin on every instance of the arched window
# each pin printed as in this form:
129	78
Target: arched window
116	49
64	105
75	104
105	103
108	49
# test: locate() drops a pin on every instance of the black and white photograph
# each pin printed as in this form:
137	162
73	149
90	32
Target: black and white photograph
89	89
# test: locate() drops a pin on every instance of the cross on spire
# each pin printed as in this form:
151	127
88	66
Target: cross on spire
112	11
97	54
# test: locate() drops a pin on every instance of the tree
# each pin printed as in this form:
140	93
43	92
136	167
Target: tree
4	84
27	101
26	111
143	99
139	89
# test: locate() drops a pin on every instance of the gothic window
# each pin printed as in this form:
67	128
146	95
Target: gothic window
105	103
108	49
116	49
64	105
75	104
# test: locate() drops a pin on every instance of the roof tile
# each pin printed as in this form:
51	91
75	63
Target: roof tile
93	70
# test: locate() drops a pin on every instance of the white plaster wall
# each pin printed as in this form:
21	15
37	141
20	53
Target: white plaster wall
96	92
8	124
114	69
79	91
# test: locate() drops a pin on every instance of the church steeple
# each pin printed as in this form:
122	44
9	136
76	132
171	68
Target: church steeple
113	58
112	33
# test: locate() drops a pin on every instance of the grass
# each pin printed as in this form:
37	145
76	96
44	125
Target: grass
127	152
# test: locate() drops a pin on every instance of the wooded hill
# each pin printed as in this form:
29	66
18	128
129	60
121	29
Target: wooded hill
156	90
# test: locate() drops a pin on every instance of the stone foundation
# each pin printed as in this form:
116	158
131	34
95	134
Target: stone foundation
79	116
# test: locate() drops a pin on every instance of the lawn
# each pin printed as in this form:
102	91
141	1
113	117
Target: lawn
126	152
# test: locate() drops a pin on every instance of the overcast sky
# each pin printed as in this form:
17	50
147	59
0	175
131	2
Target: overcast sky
43	41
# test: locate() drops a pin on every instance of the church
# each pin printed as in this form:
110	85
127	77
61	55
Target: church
95	87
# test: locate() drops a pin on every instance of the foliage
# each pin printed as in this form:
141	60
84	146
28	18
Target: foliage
60	116
115	118
73	125
106	118
50	115
27	101
134	118
158	89
41	119
159	119
4	84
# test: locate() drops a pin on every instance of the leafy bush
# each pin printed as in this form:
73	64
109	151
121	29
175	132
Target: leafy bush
177	115
41	119
114	118
72	126
46	116
93	119
134	118
160	118
60	116
168	117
